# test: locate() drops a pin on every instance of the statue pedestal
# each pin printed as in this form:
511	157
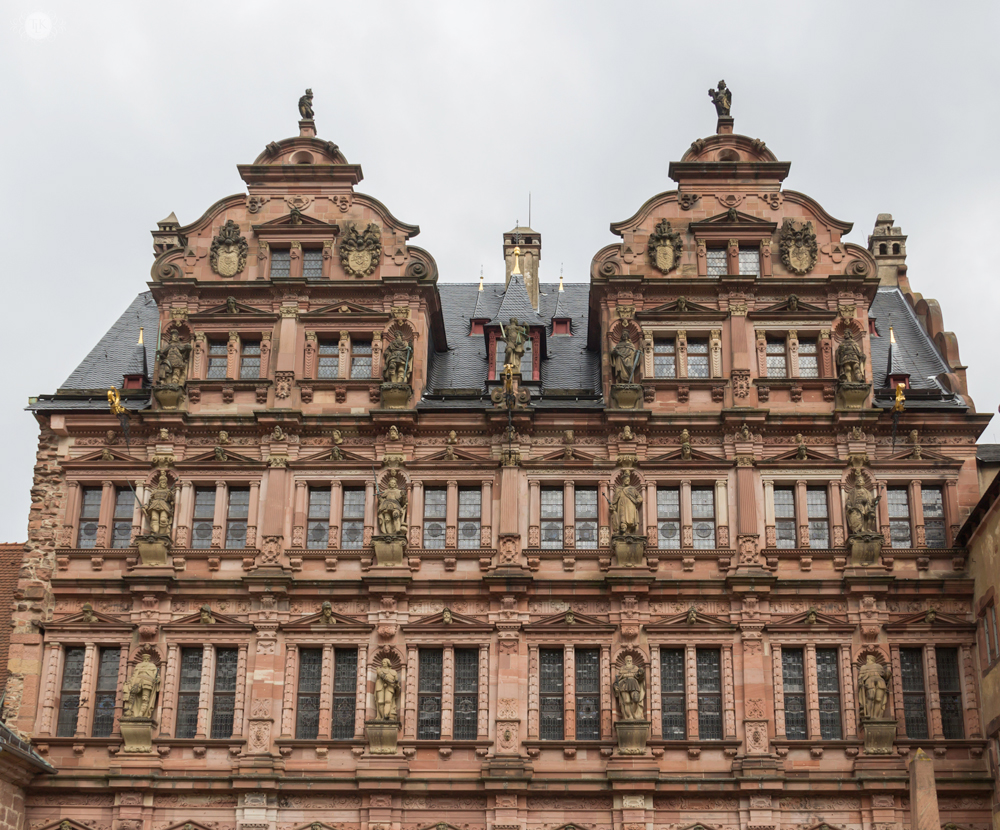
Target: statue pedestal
629	550
866	549
626	396
395	395
389	550
852	395
382	736
880	734
632	736
168	395
154	551
137	733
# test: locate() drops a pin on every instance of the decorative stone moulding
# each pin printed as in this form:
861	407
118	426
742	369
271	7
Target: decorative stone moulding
395	395
626	396
880	735
168	395
154	551
632	736
852	395
629	549
382	736
389	552
866	548
137	733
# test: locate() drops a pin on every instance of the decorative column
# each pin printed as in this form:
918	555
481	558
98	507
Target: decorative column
72	513
746	494
299	515
606	681
801	513
326	694
483	693
122	677
569	514
409	706
687	524
336	513
447	691
451	520
361	694
533	700
847	686
655	699
951	508
416	514
728	693
722	511
252	514
812	693
169	693
569	693
219	517
691	693
969	682
486	515
239	703
106	514
53	655
836	514
897	693
207	653
185	514
933	695
603	515
778	683
534	512
917	514
86	692
369	530
883	513
650	509
287	700
770	534
793	353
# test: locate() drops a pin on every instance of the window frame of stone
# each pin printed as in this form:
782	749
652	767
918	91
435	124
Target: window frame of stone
929	643
566	520
367	516
111	523
915	500
311	252
685	520
330	647
439	517
748	246
800	518
215	336
283	252
811	695
344	335
679	637
315	517
988	631
495	353
682	335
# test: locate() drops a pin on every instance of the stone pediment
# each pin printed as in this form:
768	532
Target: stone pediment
733	219
801	307
800	622
687	308
233	459
570	621
187	825
344	307
70	824
583	458
930	621
315	622
97	621
685	622
696	455
295	220
458	455
436	622
98	455
441	825
906	454
222	622
226	308
813	457
325	455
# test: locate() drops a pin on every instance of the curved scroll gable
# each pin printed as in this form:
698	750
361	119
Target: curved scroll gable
381	214
301	150
715	147
644	212
816	210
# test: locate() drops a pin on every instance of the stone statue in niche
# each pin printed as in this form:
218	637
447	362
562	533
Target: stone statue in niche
850	359
228	255
624	359
173	360
861	506
397	362
629	688
722	97
797	243
664	247
625	508
515	339
392	509
873	680
386	691
160	507
306	112
360	252
139	691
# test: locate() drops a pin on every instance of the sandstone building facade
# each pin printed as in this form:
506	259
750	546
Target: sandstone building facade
379	552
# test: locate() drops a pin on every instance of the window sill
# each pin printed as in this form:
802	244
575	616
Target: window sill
783	382
669	383
235	383
331	383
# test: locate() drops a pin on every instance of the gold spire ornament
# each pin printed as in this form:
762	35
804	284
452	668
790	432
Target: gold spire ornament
115	400
517	260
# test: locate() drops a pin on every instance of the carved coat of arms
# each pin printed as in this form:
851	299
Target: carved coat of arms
229	250
360	250
798	246
664	247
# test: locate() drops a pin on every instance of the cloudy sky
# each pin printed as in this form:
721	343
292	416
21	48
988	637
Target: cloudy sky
117	113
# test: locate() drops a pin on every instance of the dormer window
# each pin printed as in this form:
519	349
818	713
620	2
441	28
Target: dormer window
526	367
561	327
281	263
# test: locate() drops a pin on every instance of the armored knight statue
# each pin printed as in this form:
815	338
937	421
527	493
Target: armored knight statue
160	507
873	681
306	106
392	509
139	691
173	360
629	688
850	360
861	507
625	508
722	97
515	337
624	358
386	691
397	361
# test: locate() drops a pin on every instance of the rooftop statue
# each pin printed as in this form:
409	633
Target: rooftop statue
722	98
306	106
515	336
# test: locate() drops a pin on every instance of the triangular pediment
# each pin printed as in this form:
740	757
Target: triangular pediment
441	825
343	307
732	218
905	454
97	456
96	620
187	825
233	459
809	620
791	305
696	455
317	622
458	623
222	622
698	826
679	306
457	455
570	621
929	620
70	824
691	622
583	458
346	456
295	219
236	308
813	457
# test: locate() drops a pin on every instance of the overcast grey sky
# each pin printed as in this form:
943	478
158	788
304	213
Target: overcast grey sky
117	113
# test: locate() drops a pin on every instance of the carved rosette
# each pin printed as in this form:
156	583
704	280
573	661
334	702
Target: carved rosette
664	247
360	251
797	243
228	256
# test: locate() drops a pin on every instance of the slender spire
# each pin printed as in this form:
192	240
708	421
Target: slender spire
480	277
561	277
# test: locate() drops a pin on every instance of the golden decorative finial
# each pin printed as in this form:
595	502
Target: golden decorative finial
892	336
480	277
140	335
115	402
517	260
560	277
900	404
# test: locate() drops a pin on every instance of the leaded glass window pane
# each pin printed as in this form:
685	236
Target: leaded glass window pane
69	697
352	530
911	666
318	530
312	264
794	687
933	502
188	693
808	359
361	359
672	702
218	360
716	261
668	517
552	517
527	361
899	517
465	719
310	681
697	358
777	361
329	359
819	520
470	510
950	692
90	517
709	695
204	517
121	527
107	691
703	515
749	262
586	517
435	508
250	360
281	263
588	694
429	695
224	694
784	517
828	683
664	358
550	691
236	520
345	681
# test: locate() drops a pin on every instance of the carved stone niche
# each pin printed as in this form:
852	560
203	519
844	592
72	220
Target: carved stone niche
395	395
626	396
632	736
382	736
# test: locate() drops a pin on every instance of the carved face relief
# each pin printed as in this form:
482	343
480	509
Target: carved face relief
798	246
229	250
664	247
360	251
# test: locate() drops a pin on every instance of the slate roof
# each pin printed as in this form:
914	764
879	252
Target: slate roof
988	453
914	354
516	303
